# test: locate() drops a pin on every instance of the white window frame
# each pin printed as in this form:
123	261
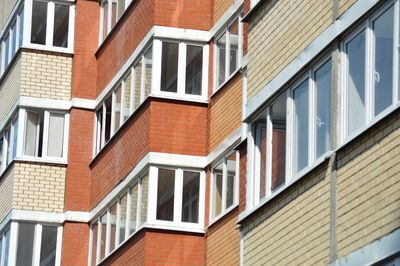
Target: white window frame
50	26
128	235
178	190
226	31
370	119
43	156
224	210
181	71
109	17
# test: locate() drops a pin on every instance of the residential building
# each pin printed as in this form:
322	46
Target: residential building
224	132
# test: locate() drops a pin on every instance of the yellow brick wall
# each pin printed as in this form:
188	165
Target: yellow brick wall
225	112
9	88
6	196
344	5
293	229
368	187
220	7
279	31
46	75
6	6
223	241
39	187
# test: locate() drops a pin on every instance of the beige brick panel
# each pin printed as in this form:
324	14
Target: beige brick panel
46	75
368	187
293	229
6	195
344	5
9	88
6	6
279	31
39	187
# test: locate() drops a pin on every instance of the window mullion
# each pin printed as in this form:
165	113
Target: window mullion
178	195
139	204
122	105
37	244
113	110
227	54
98	243
103	128
289	135
128	213
65	137
237	178
50	24
268	142
156	75
45	133
142	79
224	185
257	163
108	233
311	117
27	22
369	72
109	15
181	68
117	224
21	130
59	245
133	92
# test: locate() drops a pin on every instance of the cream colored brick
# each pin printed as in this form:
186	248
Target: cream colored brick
6	7
6	192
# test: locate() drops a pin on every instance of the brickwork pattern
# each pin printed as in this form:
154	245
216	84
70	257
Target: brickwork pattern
39	187
225	112
9	88
367	187
75	244
293	229
344	5
6	6
220	7
6	192
223	241
46	75
277	24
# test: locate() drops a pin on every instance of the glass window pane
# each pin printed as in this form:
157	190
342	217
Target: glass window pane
323	81
121	7
15	137
56	135
14	40
48	246
1	248
301	124
113	13
21	27
169	67
6	51
190	197
103	222
117	107
278	119
107	128
61	19
99	118
221	52
26	235
165	194
383	61
39	21
194	70
127	96
356	113
143	203
231	178
148	60
122	218
105	18
94	243
113	227
8	148
134	198
138	84
261	155
6	243
217	190
234	47
1	154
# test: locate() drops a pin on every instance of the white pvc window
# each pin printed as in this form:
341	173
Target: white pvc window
45	134
8	144
370	71
122	219
224	185
110	12
228	52
51	25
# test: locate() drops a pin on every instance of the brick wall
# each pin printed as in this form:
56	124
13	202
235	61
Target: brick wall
186	14
225	113
6	189
127	35
344	5
223	241
9	88
46	75
367	186
293	224
39	187
75	245
219	7
274	25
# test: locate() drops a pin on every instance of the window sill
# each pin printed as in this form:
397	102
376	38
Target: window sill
41	160
247	213
224	84
44	48
222	215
